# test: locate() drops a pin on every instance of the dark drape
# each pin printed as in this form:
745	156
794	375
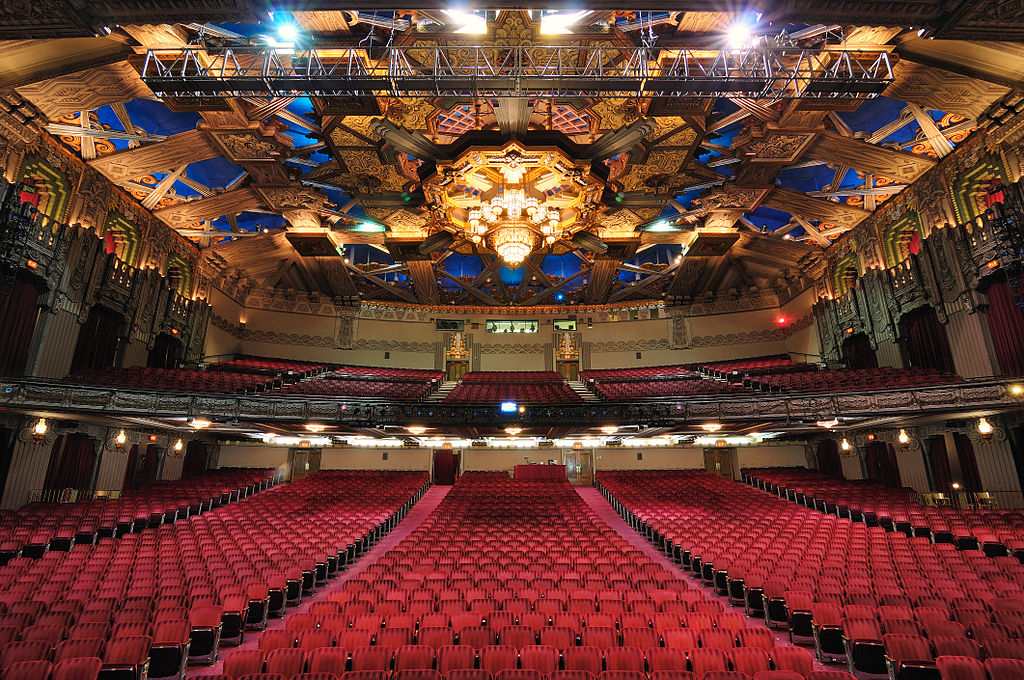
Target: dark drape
195	460
150	463
166	352
444	467
858	353
924	342
881	464
97	340
938	465
71	463
6	453
828	458
130	468
19	310
1006	321
968	463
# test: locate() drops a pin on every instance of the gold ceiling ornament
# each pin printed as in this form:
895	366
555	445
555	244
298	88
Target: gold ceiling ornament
513	198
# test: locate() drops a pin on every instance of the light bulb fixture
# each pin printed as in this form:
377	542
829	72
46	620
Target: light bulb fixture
985	429
40	430
178	446
609	429
956	486
711	427
828	424
200	423
416	429
845	444
121	438
903	438
1017	390
513	431
315	427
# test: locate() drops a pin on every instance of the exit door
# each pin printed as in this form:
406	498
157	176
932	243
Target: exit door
579	466
718	461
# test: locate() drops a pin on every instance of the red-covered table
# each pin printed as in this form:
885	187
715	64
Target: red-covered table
535	472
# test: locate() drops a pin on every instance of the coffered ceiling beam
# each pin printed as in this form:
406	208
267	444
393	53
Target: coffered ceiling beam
994	62
23	62
637	286
183	148
475	292
162	187
940	145
601	276
209	208
392	288
548	292
99	133
870	158
812	232
424	281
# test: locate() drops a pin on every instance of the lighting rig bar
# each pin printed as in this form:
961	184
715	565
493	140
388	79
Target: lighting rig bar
518	71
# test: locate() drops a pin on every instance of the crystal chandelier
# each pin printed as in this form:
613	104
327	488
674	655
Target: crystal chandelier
513	242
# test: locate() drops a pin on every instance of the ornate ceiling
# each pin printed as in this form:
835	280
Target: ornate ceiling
373	196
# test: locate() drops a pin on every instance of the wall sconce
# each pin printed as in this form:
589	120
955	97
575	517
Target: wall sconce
903	438
40	430
178	446
844	445
121	439
985	430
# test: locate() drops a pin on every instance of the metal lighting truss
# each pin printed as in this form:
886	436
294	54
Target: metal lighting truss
518	71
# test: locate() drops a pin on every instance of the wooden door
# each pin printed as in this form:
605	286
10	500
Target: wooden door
299	464
579	467
456	369
718	461
570	370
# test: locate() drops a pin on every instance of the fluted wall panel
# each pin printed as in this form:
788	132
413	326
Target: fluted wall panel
888	354
912	470
852	467
995	465
28	471
970	345
135	354
112	467
59	336
172	467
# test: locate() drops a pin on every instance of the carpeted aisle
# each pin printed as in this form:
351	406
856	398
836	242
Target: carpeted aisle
431	499
606	512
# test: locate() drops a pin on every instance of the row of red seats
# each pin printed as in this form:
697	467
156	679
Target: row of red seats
370	389
997	532
381	373
529	674
798	569
39	527
264	364
627	391
637	374
512	377
208	579
754	366
521	393
847	379
176	379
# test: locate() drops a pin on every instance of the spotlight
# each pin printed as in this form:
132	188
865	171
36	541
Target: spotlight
739	35
288	33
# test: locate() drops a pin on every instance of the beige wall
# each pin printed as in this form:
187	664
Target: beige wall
414	343
653	459
790	455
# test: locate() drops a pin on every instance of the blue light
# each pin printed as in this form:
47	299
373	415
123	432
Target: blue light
509	407
559	296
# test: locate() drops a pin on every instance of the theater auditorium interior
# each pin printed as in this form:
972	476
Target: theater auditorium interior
512	341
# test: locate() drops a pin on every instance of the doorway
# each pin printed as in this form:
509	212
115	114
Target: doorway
579	466
456	369
570	370
718	461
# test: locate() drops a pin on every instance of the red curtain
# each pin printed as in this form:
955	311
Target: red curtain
881	464
71	462
924	340
968	463
131	467
938	463
444	466
858	353
19	311
1006	321
150	463
97	340
195	460
828	458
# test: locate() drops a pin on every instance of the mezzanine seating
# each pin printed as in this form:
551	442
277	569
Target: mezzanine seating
849	379
480	387
882	602
180	591
394	384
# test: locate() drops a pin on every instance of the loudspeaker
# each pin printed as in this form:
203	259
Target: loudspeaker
387	355
384	455
639	355
639	455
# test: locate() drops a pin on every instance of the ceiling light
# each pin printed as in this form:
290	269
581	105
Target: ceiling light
739	35
467	22
200	423
828	424
556	23
609	429
288	33
416	429
1016	390
315	427
513	243
711	427
513	431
